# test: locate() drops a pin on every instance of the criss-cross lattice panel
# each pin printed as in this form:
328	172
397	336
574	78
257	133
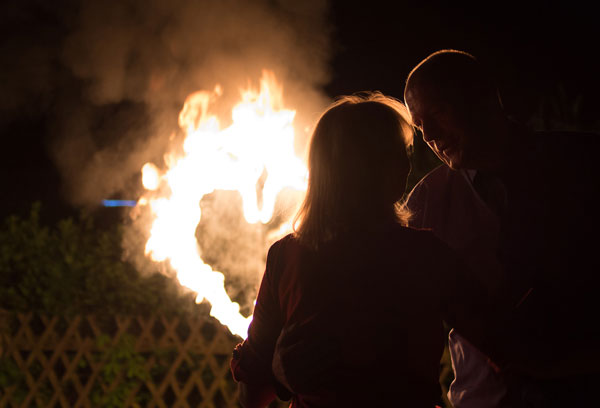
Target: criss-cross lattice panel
50	361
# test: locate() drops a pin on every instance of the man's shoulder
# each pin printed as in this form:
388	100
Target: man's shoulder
576	150
579	134
434	194
440	171
435	181
574	140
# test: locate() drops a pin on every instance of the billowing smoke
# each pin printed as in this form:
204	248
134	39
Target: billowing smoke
140	59
112	76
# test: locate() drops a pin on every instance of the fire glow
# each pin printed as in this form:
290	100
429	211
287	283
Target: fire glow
256	150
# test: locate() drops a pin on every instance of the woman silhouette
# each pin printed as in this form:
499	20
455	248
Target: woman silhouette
351	307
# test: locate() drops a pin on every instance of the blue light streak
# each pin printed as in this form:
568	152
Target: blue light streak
119	203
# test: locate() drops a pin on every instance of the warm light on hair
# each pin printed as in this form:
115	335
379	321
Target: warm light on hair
455	77
358	165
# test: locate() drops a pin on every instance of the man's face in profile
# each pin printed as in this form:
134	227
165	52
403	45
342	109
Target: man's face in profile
445	131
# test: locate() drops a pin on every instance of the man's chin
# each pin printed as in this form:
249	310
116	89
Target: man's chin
453	162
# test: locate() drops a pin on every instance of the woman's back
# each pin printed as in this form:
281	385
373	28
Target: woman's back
362	317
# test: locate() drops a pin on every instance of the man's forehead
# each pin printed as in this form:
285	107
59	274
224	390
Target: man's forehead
422	100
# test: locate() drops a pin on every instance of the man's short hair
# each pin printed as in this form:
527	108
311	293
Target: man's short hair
453	76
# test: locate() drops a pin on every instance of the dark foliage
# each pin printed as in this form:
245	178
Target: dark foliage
75	267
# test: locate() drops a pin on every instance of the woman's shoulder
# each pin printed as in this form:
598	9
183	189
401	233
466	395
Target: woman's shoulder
289	239
282	245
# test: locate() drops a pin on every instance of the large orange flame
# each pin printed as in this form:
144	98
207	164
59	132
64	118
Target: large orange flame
259	142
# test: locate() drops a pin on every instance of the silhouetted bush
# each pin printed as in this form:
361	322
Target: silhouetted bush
74	267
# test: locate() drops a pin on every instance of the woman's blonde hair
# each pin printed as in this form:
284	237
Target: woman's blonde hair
358	165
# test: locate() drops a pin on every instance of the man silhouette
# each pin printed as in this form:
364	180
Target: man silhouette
519	206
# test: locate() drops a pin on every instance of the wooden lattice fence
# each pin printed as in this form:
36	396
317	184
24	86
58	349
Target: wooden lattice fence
86	361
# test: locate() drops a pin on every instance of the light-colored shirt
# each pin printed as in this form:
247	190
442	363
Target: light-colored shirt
446	202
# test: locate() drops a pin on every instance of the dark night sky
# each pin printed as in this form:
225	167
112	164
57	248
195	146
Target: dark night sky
530	48
536	52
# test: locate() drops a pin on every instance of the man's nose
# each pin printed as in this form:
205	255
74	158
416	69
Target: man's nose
432	132
428	134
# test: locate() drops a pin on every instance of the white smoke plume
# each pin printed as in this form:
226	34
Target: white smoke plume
111	77
147	56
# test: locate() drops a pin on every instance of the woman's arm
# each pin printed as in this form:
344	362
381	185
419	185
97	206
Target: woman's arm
252	359
254	396
255	391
